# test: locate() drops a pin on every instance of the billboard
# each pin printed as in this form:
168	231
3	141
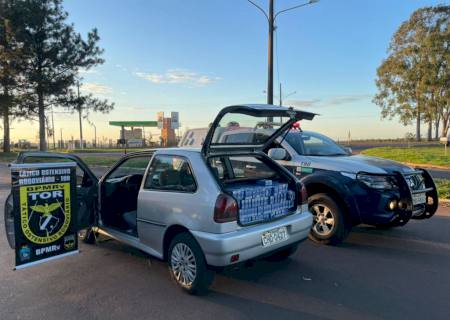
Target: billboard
45	211
175	123
160	119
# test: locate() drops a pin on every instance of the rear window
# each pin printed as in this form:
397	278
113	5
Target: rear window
243	129
237	168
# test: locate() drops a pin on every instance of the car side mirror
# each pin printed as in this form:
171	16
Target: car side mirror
277	154
349	150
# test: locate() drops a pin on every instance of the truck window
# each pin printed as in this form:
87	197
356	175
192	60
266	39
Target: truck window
314	144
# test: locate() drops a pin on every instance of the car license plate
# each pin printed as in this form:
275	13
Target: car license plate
274	236
418	198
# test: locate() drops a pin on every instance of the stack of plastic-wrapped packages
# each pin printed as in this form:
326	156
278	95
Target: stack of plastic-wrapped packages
263	200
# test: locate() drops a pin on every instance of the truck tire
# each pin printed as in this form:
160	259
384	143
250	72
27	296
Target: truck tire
329	225
283	254
187	265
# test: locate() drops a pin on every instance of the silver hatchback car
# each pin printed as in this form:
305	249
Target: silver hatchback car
199	209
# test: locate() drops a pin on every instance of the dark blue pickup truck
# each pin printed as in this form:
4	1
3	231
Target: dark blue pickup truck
346	190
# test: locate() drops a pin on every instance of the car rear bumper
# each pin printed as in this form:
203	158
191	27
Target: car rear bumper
247	243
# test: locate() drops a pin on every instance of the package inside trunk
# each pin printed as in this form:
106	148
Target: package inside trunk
262	192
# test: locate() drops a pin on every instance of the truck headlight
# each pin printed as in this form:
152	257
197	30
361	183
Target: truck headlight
378	182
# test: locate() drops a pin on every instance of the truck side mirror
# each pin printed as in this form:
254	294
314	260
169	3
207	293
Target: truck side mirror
277	154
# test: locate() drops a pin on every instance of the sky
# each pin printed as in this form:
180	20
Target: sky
198	56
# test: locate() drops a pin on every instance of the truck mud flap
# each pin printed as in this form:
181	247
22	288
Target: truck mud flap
432	199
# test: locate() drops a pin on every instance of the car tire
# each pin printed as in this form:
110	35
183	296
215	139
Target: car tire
283	254
9	221
88	236
330	226
194	277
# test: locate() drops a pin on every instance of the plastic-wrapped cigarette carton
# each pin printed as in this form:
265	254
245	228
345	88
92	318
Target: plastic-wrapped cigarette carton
263	200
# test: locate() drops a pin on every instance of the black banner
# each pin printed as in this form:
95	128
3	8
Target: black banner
45	211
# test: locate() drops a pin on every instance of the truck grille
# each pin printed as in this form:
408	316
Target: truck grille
415	182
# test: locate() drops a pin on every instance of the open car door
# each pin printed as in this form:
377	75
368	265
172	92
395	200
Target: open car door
260	126
86	185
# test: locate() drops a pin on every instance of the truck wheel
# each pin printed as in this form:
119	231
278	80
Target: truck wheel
87	236
187	265
283	254
329	224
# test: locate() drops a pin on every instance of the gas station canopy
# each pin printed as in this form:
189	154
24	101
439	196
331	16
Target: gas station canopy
134	123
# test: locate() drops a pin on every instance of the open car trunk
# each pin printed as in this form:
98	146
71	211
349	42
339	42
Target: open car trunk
263	190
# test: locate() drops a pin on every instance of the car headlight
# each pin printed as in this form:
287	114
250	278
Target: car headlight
378	182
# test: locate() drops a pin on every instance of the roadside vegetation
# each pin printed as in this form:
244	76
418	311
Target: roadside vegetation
412	80
42	58
97	160
418	155
443	188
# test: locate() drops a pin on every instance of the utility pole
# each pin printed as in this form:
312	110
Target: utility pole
271	17
79	115
95	134
62	142
270	55
53	131
281	96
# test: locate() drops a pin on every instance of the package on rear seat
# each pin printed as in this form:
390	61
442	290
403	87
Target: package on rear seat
262	201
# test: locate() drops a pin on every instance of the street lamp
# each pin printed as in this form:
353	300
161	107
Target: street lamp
271	16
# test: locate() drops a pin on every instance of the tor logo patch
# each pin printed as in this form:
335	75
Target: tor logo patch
45	212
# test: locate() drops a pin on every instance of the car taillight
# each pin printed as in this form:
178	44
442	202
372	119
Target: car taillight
303	195
226	209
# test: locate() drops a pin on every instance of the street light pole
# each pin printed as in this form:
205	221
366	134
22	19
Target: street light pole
53	131
95	135
281	96
270	55
79	115
271	17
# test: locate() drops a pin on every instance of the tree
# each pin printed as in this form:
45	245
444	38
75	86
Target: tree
84	105
11	60
413	80
55	53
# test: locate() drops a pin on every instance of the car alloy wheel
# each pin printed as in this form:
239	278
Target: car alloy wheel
323	219
184	265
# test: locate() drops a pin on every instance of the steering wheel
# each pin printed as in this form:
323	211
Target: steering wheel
133	182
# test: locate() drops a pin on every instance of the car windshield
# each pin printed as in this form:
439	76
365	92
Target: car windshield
314	144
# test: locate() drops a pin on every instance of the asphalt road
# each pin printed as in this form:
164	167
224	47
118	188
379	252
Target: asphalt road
400	273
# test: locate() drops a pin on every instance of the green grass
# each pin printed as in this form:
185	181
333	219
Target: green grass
443	187
8	156
100	160
419	155
118	150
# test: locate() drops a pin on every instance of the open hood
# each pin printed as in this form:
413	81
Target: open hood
250	128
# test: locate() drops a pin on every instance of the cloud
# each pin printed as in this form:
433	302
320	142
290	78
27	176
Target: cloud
96	88
330	102
348	99
121	67
302	103
178	76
